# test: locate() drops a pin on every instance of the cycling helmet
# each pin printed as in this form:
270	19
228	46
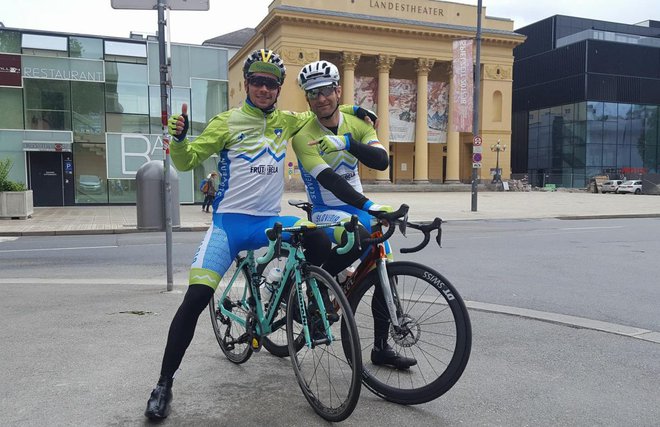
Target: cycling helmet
318	74
264	61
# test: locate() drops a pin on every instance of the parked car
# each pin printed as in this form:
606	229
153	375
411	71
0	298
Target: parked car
631	186
611	186
89	184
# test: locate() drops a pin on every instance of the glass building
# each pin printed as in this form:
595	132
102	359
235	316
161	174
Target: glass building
586	95
81	113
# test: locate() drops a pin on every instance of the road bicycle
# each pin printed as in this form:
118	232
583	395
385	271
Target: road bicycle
319	322
427	317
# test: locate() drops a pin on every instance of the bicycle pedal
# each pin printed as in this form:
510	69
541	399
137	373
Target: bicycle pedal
255	344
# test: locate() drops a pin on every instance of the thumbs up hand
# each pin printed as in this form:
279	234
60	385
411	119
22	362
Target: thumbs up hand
177	126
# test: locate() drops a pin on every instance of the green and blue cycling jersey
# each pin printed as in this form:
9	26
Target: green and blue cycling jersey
251	146
313	162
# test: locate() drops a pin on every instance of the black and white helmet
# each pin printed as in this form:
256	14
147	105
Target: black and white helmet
318	74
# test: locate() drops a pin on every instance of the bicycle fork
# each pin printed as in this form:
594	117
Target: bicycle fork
381	266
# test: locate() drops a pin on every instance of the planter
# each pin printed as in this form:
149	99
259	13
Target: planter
16	204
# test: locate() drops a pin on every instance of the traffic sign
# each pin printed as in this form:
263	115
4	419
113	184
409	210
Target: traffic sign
476	158
476	165
477	140
477	149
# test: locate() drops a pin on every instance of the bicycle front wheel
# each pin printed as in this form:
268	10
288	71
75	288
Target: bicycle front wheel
232	336
328	370
435	331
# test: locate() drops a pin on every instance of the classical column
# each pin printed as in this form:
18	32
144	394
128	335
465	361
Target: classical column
349	61
384	64
421	172
452	173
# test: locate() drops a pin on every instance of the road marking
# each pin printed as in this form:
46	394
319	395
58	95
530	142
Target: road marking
591	228
7	239
58	249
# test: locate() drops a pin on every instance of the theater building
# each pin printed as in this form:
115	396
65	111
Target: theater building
396	57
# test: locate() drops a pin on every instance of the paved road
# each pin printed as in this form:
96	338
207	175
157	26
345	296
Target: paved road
86	351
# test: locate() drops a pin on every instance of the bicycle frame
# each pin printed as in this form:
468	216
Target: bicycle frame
264	317
377	258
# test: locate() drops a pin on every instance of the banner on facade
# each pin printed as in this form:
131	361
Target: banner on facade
366	92
438	105
403	110
462	85
10	70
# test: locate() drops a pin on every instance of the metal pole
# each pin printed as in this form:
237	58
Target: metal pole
167	190
475	117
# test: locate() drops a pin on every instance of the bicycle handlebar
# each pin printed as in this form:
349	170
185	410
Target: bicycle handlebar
274	243
391	218
274	236
426	229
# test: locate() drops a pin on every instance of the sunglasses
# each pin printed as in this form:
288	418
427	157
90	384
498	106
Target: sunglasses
259	81
325	91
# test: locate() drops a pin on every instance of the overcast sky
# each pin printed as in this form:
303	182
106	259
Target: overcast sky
96	17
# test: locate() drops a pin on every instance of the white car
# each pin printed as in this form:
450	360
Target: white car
611	186
632	186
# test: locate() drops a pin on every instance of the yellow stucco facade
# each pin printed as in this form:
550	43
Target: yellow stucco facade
409	40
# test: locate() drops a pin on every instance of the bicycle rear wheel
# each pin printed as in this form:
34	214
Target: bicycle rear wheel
276	341
328	372
231	335
435	330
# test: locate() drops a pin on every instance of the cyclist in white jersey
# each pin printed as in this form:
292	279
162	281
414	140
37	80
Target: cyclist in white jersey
329	149
250	142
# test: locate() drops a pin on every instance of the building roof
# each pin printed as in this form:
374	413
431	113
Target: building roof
233	39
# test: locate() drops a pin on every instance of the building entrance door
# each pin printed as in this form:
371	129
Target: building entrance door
46	178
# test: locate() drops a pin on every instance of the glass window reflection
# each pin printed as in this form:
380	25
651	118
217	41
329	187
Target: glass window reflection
85	47
209	98
47	104
88	112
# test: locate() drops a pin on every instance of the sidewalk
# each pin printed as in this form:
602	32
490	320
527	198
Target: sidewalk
450	206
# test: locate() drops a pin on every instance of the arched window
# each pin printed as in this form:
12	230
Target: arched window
497	106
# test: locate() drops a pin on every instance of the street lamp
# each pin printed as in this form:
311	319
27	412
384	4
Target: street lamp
497	148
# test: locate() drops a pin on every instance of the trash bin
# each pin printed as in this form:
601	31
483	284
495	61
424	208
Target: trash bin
151	194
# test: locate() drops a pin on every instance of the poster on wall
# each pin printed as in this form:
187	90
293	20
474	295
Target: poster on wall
462	85
366	92
438	114
403	110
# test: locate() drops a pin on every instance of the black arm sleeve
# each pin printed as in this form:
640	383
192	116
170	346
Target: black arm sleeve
373	157
342	190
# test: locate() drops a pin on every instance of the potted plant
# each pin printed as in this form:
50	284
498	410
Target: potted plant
15	199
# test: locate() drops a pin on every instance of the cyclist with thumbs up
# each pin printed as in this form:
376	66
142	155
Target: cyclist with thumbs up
250	142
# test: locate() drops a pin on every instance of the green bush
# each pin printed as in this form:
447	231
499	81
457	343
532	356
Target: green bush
5	183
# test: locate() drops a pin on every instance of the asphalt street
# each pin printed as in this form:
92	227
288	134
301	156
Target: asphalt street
82	340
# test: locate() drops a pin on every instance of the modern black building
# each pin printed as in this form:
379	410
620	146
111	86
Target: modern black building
586	95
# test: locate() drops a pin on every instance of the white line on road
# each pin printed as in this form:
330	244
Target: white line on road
58	249
591	228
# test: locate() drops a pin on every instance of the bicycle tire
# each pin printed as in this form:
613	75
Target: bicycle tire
440	336
335	396
223	327
276	341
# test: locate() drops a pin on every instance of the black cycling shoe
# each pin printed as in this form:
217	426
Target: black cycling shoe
389	357
158	406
